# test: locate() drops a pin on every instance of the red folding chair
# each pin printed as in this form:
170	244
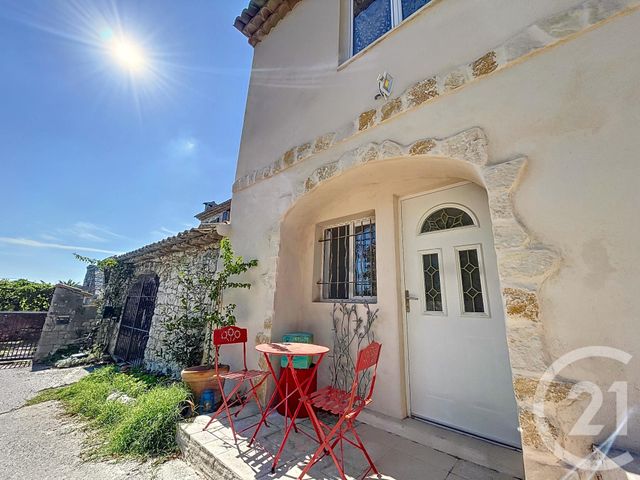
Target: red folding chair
347	405
228	336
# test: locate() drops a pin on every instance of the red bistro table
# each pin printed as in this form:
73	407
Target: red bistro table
289	350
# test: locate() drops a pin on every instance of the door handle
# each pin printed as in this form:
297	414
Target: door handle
407	298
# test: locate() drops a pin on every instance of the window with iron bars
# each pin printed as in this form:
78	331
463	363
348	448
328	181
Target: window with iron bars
349	261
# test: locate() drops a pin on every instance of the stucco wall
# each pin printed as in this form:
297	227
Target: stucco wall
297	64
572	110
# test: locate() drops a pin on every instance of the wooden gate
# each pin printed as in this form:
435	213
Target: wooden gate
136	320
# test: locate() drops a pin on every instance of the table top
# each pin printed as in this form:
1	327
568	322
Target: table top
291	348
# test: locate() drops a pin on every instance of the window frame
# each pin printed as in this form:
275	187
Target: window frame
483	282
352	223
396	21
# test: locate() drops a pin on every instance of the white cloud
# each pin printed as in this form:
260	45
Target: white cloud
51	238
183	147
164	232
88	231
27	242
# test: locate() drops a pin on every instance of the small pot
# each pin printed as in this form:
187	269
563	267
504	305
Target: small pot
201	378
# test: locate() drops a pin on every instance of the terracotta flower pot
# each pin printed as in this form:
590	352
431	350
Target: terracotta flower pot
201	378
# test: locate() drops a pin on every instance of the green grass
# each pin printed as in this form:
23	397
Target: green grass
145	427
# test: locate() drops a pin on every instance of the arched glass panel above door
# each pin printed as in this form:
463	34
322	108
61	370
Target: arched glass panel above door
446	218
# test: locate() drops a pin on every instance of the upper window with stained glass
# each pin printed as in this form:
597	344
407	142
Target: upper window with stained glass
373	18
445	219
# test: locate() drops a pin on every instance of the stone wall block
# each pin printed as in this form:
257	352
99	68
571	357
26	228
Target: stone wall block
470	146
390	149
563	24
528	265
454	79
508	233
367	119
500	205
289	157
526	345
422	147
532	436
599	10
485	64
531	39
391	108
368	153
503	176
420	93
323	142
563	403
520	303
303	151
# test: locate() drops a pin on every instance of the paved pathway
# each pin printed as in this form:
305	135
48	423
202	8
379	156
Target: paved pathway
39	442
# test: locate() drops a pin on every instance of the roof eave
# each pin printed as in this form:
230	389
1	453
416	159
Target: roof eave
258	19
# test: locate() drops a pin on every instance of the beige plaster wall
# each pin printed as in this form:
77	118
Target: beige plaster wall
369	188
297	64
572	110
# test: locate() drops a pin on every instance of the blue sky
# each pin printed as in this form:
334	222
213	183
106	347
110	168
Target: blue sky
96	159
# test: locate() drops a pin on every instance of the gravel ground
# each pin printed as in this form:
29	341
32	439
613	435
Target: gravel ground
17	385
39	442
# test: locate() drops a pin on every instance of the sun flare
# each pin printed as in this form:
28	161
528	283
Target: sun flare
128	54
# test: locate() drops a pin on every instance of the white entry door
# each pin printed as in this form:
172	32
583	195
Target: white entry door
459	370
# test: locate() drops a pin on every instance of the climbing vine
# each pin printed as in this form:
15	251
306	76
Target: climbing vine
200	307
117	275
351	333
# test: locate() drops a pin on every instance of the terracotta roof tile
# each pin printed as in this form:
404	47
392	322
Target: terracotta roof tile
194	238
258	19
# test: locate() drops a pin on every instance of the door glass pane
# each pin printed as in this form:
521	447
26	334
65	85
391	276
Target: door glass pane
470	280
371	20
445	219
432	288
409	7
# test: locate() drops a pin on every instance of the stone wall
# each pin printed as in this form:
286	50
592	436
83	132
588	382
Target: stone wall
93	280
71	319
168	268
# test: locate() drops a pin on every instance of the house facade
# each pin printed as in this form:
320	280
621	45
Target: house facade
467	169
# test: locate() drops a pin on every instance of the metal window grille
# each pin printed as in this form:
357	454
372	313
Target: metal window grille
349	267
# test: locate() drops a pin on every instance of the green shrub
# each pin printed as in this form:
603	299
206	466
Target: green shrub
25	295
145	427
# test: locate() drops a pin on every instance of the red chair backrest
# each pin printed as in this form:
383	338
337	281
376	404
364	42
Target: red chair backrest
368	356
229	335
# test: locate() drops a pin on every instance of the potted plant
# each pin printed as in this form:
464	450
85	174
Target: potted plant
188	331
